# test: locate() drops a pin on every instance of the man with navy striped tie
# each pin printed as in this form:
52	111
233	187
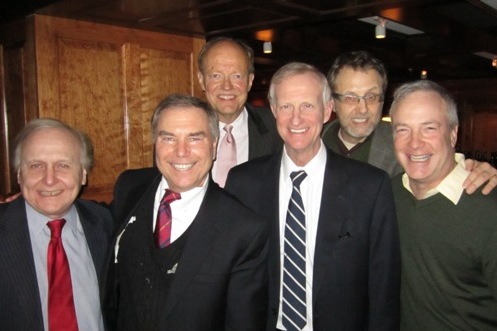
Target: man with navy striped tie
334	259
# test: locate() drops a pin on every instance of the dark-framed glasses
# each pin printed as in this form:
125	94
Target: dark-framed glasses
352	99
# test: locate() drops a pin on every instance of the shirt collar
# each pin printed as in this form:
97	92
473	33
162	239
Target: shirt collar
185	196
451	186
238	123
38	221
312	167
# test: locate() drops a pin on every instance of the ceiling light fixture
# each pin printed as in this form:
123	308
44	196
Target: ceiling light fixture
380	30
392	26
494	62
267	47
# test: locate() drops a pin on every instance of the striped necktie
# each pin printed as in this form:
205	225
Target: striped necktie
163	224
294	284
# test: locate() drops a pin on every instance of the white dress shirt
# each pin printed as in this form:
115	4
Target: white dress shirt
311	189
183	210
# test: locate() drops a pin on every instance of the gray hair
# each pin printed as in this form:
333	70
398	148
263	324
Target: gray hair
428	86
359	61
50	123
185	101
293	69
246	49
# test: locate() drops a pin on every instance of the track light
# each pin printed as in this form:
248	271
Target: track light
381	31
267	47
494	62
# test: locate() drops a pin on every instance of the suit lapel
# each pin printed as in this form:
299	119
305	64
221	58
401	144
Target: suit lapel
18	260
95	236
332	215
257	130
271	203
143	212
202	236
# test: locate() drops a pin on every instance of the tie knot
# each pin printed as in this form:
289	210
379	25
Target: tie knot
228	128
170	196
297	177
56	227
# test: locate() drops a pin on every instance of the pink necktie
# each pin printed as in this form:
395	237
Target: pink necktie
164	218
61	311
226	157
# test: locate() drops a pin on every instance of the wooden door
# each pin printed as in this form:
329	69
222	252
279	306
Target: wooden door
106	81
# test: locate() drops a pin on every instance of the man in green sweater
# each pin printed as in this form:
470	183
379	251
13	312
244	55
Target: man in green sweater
448	238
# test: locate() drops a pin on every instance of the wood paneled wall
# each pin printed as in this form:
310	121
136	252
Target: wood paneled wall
477	109
104	80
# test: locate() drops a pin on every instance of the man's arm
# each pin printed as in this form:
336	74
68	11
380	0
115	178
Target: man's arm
247	298
481	173
384	263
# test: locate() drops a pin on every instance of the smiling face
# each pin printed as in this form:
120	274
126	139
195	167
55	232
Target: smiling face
424	141
50	172
226	80
300	114
358	121
184	147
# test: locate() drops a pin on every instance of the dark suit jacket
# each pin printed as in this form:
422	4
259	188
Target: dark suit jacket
221	278
263	136
20	306
356	261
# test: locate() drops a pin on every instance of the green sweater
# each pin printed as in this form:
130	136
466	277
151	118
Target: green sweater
449	261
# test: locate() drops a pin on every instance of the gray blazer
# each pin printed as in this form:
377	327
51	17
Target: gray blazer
381	153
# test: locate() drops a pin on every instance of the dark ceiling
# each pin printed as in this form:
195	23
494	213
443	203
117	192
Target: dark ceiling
313	31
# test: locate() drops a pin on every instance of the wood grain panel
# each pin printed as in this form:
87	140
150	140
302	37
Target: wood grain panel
106	81
91	94
485	137
164	69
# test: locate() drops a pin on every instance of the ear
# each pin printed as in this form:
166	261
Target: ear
84	177
328	109
453	136
19	176
250	81
214	149
201	80
273	110
333	105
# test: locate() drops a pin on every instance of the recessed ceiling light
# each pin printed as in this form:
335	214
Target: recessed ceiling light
404	29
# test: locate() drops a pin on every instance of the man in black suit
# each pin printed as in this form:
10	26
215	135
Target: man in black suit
212	274
52	161
351	262
226	72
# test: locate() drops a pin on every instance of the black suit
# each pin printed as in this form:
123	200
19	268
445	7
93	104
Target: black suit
220	282
20	306
356	260
263	136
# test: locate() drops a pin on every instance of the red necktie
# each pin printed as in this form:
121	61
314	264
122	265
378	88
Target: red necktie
164	219
61	311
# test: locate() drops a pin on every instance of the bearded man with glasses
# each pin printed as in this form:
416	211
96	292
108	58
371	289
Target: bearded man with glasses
358	83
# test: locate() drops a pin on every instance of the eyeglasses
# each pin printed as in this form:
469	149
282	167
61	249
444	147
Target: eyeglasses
352	99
